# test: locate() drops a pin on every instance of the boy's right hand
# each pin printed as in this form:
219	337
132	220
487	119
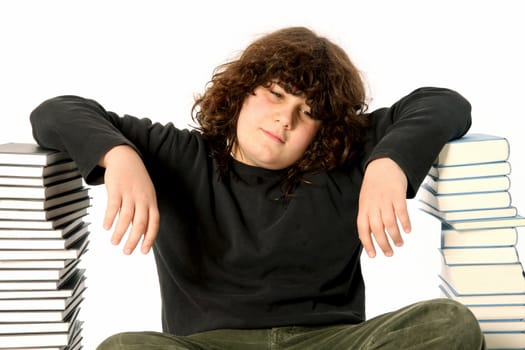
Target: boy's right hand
131	197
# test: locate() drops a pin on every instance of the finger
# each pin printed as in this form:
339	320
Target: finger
378	231
151	233
112	210
138	228
390	224
363	230
125	217
401	211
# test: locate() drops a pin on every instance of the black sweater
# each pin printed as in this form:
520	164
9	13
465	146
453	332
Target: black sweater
228	254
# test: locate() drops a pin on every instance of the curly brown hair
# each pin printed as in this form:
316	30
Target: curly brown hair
304	64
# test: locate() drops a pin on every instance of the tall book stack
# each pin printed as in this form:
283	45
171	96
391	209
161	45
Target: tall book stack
43	235
468	190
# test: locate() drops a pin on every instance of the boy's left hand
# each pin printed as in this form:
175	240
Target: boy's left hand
382	206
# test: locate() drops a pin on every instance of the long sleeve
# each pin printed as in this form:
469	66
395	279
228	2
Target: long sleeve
414	130
86	131
80	127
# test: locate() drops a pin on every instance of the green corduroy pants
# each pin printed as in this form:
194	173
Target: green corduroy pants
435	324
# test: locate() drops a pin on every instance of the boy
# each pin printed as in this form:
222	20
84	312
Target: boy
258	217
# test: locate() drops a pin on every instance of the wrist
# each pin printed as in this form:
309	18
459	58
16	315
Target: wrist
115	152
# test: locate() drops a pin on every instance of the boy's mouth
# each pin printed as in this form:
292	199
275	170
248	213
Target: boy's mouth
277	138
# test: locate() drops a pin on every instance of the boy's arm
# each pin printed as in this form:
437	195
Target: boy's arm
80	127
91	136
405	140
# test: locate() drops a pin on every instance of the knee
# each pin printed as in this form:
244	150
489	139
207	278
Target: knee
459	322
116	341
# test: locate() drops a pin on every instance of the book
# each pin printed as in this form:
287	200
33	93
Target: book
474	148
40	315
23	304
484	237
73	252
505	340
498	312
13	170
43	224
36	274
479	279
466	185
38	181
470	170
514	221
34	264
483	255
29	154
74	283
43	243
43	203
468	214
39	339
40	327
479	300
40	192
464	201
54	233
517	325
36	285
48	214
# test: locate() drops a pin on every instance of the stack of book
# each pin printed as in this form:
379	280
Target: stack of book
43	234
468	190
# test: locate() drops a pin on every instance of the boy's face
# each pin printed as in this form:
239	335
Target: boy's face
274	128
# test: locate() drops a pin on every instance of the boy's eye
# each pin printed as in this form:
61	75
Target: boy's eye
307	112
276	94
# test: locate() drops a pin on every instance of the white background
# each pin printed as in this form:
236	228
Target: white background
149	58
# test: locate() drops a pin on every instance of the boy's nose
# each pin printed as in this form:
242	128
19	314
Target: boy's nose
285	117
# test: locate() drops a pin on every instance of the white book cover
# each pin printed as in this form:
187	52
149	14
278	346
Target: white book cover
485	237
505	340
49	214
470	170
481	300
517	325
468	185
41	327
40	192
46	244
464	201
484	279
468	214
36	274
52	233
43	203
480	255
70	286
29	154
46	254
40	339
37	170
514	221
40	315
38	181
34	304
474	148
43	224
